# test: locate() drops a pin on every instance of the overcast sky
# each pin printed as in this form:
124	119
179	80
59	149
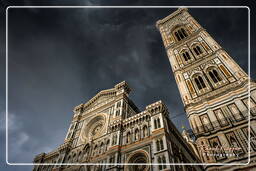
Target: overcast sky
59	58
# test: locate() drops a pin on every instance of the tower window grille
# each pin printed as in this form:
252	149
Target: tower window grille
157	123
200	82
197	50
186	56
180	34
215	76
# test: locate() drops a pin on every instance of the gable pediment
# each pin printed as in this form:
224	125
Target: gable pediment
101	98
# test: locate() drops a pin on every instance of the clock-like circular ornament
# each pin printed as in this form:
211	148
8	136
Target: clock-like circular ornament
94	128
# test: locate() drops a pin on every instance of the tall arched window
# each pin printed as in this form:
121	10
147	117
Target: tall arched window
79	156
197	49
69	159
159	145
114	140
86	151
199	82
101	148
158	123
177	36
95	150
74	158
214	76
155	124
164	161
128	137
180	34
161	161
186	56
136	135
144	131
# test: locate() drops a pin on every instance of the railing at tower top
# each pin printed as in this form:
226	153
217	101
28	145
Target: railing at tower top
211	127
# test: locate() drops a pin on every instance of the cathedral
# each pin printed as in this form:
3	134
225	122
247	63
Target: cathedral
110	133
110	130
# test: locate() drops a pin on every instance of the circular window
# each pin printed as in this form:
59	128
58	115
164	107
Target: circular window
95	127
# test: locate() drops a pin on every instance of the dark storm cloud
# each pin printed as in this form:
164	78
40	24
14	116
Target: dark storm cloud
59	58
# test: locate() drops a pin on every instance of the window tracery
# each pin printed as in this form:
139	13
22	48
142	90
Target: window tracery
128	137
214	76
157	123
198	50
114	140
136	137
159	144
180	34
186	56
162	162
145	131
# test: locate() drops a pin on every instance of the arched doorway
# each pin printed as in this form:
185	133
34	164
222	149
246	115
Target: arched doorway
138	158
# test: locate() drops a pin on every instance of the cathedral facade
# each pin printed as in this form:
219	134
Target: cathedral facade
110	130
218	96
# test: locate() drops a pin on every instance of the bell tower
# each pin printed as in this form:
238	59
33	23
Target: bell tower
214	90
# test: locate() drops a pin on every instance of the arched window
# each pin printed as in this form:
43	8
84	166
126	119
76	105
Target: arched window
79	156
112	159
177	36
184	32
186	56
136	135
164	161
114	140
68	159
197	49
158	123
128	137
199	82
107	145
214	76
95	150
101	150
180	34
144	131
159	145
161	161
86	151
74	158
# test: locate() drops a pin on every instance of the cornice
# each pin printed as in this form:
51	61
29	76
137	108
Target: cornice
172	15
